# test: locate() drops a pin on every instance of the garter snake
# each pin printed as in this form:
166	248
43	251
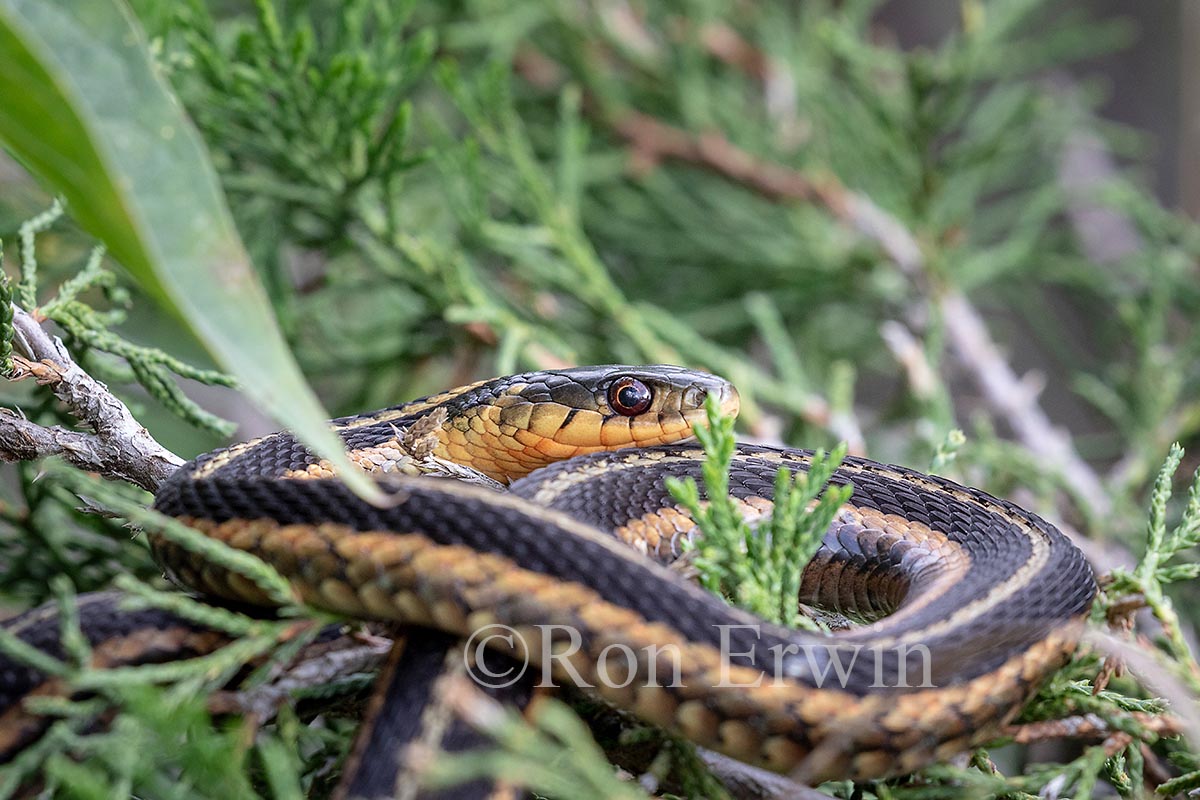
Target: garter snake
968	601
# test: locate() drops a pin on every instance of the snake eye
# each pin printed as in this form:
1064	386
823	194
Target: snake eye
629	396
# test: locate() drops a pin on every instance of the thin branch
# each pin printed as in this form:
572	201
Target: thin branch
652	141
1015	400
319	665
745	782
1089	726
922	378
119	447
1145	661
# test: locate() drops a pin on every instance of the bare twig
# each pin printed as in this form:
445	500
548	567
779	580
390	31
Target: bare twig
1143	661
922	379
1089	726
652	141
1015	401
318	666
745	782
1116	743
119	447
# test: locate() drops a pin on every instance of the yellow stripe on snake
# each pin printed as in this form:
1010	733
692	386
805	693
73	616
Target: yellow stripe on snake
968	601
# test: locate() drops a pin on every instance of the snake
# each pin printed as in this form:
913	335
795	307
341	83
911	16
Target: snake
567	537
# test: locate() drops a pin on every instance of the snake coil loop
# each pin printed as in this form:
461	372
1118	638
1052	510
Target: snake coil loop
967	601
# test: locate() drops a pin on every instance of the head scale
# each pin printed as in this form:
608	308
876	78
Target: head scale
511	426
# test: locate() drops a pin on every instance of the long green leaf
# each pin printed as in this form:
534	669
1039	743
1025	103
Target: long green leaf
82	105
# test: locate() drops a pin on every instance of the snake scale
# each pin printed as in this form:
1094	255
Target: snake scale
965	602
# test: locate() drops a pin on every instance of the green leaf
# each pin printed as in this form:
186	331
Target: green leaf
85	110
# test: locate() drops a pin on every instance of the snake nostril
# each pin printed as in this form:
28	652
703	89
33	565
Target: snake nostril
694	397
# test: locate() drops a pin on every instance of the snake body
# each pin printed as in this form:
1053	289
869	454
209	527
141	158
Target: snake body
968	602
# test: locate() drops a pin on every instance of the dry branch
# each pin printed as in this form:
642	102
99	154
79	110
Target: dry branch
1089	726
1015	401
745	782
318	665
118	446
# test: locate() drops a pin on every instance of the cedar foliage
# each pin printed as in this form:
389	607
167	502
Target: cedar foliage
436	192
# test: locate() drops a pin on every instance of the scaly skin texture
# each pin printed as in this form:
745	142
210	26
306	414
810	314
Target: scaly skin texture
116	639
985	599
989	596
460	558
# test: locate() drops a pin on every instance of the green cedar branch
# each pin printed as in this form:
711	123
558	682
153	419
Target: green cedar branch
652	141
759	567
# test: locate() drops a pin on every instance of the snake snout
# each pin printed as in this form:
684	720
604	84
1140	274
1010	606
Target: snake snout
727	396
729	399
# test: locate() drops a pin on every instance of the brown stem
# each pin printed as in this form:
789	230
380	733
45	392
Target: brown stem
1089	726
118	448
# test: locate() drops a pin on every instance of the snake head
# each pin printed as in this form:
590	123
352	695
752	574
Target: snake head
511	426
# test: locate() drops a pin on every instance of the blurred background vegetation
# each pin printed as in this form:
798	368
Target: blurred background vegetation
885	222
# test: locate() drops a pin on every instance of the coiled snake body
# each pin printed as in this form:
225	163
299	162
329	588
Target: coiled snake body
968	601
